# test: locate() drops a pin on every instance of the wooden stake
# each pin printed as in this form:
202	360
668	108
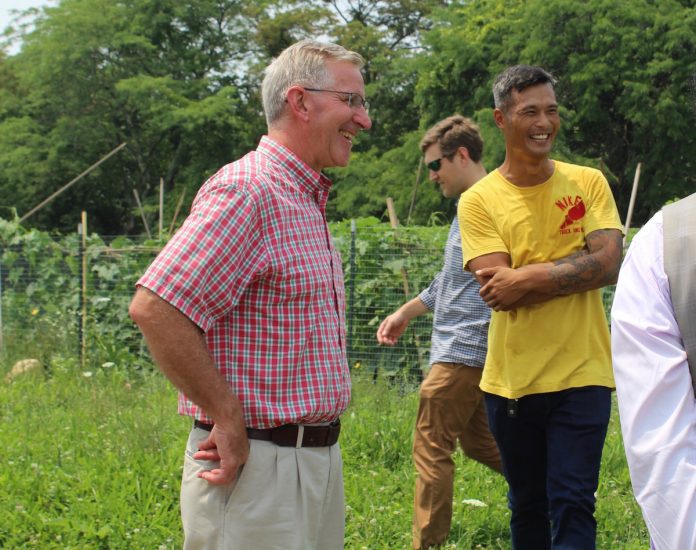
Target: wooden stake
394	222
632	202
83	350
161	207
415	190
176	211
142	213
1	329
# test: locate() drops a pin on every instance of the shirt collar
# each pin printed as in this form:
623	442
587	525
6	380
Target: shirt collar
307	179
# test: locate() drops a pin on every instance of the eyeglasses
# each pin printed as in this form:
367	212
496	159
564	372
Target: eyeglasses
435	165
354	99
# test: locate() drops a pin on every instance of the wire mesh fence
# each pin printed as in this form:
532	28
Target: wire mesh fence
69	296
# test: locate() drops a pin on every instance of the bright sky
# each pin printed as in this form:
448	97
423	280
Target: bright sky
6	7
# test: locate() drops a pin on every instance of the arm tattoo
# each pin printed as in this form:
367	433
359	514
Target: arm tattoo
592	267
573	256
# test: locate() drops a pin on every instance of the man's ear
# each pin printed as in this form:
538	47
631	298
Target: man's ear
499	118
463	154
296	100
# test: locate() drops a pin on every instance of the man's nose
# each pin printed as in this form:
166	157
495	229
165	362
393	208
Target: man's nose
362	119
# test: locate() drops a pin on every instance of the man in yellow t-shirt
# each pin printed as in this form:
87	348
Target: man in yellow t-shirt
542	237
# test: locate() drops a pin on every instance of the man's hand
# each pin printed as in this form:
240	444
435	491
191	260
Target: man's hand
392	328
503	289
230	447
395	324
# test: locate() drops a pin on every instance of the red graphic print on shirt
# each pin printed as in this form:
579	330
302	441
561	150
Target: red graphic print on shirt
574	209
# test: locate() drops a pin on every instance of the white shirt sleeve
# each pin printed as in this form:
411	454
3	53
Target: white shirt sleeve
656	401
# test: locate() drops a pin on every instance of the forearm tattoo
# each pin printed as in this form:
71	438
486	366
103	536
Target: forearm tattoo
594	266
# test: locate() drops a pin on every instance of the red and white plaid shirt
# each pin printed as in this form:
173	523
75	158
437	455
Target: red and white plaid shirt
255	268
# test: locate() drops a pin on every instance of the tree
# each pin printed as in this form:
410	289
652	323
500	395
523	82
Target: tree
388	34
180	82
623	69
93	74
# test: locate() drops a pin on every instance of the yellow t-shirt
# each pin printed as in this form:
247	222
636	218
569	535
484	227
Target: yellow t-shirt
564	342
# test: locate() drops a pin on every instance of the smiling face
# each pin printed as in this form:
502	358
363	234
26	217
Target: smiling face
530	122
334	122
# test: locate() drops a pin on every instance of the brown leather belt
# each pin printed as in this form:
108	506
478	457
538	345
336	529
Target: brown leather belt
291	435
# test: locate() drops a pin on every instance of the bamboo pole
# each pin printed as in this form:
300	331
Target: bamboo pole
70	183
1	327
161	207
142	213
415	190
83	343
632	202
176	211
394	222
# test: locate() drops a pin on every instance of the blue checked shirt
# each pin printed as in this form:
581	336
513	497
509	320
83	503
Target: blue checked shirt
460	316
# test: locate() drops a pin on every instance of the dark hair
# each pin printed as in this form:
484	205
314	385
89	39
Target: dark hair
518	77
452	133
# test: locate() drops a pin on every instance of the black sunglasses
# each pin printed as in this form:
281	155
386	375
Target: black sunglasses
435	165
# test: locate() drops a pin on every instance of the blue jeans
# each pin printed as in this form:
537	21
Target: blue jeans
551	447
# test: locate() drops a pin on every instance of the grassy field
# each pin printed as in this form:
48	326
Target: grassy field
92	460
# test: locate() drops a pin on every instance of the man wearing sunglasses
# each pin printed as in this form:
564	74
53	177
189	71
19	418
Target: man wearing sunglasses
451	405
542	237
243	311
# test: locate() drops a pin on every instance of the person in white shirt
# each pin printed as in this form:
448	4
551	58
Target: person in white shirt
655	395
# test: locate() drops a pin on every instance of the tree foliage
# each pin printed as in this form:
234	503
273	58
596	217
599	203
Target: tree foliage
179	82
623	69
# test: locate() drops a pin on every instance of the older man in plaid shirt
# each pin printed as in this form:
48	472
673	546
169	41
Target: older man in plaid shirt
243	311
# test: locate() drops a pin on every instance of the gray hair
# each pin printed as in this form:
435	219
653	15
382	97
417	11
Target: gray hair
303	64
518	77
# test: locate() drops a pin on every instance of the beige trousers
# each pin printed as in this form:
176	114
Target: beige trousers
283	499
451	409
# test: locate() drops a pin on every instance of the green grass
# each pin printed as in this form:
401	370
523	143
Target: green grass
94	462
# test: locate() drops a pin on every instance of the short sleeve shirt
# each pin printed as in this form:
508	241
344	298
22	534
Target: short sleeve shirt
564	342
255	268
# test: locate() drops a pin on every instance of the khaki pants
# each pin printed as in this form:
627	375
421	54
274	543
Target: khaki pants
283	499
451	409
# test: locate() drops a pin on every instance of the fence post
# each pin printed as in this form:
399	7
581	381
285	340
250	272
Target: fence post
351	295
82	315
84	289
2	347
80	253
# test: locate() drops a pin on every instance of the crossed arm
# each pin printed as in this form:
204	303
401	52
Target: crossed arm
504	288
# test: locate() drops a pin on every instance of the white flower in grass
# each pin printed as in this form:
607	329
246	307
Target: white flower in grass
87	374
474	502
108	365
